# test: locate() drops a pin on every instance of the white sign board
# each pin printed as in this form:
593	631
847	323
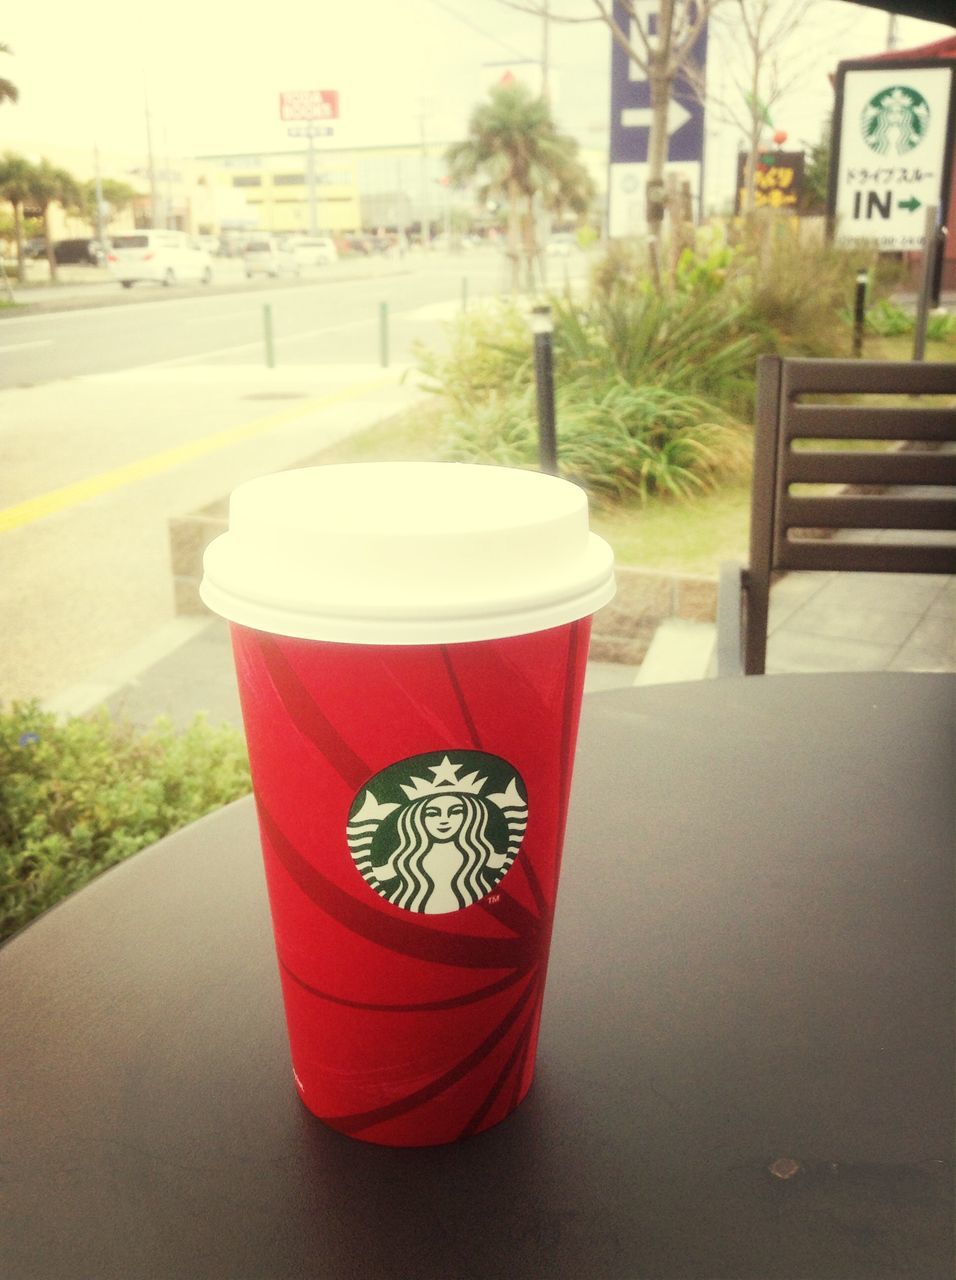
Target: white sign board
894	133
309	104
627	195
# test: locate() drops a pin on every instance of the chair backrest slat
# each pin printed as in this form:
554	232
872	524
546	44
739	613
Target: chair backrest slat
870	558
865	511
857	422
865	377
807	466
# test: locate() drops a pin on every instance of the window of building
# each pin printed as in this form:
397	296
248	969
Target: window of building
247	180
288	179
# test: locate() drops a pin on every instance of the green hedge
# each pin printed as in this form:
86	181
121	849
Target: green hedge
78	796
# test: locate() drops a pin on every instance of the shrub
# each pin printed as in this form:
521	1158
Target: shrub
80	795
941	328
489	353
888	320
617	441
631	333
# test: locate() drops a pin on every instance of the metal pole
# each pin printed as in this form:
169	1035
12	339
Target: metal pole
859	313
383	333
98	194
267	330
313	220
153	191
931	241
544	382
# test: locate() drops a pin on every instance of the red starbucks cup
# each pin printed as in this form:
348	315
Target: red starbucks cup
410	644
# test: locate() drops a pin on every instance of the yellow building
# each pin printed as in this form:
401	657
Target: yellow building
356	188
270	192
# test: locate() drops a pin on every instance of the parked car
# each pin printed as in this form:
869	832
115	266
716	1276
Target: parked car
88	252
264	256
349	246
562	244
314	250
165	257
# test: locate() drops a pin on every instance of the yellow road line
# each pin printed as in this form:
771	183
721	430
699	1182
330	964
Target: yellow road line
72	495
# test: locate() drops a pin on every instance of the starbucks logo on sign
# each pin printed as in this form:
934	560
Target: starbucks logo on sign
436	832
895	120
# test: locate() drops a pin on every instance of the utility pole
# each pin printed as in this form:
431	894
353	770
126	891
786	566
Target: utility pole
423	181
153	194
98	195
169	179
313	219
545	51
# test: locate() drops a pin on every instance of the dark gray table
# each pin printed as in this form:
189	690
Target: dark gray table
752	976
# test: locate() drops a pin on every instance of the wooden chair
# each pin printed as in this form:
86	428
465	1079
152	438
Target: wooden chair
793	530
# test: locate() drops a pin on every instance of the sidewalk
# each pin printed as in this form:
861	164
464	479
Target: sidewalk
819	622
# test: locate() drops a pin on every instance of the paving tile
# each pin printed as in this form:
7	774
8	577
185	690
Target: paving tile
793	651
930	647
944	606
890	592
878	626
792	591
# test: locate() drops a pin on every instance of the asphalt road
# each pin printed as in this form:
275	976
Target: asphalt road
329	317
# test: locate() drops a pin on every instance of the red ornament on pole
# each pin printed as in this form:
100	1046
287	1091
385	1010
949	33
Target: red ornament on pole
780	137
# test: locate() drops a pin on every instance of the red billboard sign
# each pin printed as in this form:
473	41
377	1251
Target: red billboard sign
309	104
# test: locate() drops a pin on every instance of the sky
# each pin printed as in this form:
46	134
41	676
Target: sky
212	74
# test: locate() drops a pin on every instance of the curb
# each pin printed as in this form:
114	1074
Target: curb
109	679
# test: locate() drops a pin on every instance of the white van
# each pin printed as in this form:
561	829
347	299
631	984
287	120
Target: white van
315	250
268	257
163	256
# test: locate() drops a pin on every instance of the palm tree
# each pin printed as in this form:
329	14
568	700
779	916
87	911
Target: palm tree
8	90
49	186
16	185
117	195
515	150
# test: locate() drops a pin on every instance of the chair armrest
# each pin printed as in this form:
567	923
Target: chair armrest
731	602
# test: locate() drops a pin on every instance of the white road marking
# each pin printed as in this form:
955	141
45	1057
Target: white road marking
18	346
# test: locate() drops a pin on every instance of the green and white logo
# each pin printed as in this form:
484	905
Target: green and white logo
436	832
895	120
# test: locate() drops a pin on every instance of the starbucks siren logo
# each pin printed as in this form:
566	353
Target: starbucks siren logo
436	832
895	120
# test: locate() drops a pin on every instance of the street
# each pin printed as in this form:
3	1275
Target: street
113	418
320	318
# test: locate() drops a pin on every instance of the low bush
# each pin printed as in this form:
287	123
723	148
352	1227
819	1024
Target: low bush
795	290
78	796
619	442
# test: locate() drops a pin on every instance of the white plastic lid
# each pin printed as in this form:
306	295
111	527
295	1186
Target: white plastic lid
407	553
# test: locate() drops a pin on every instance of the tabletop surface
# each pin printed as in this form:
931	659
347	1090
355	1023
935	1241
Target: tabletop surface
746	1059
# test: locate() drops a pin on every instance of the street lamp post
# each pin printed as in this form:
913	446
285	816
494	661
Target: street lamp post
542	327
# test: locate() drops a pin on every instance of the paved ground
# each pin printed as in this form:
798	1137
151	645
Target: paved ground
819	622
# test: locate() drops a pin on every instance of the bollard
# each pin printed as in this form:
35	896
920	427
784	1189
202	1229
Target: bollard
267	328
859	313
542	328
383	333
464	293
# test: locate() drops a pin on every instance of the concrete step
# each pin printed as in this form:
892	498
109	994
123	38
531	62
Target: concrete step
680	650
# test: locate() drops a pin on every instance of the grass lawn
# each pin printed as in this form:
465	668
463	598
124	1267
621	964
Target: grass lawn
681	537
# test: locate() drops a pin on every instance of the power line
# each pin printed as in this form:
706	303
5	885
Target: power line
460	17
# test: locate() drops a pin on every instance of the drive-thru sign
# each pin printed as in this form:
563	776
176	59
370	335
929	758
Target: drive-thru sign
893	151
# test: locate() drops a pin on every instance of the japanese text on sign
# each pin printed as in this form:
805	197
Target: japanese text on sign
309	104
